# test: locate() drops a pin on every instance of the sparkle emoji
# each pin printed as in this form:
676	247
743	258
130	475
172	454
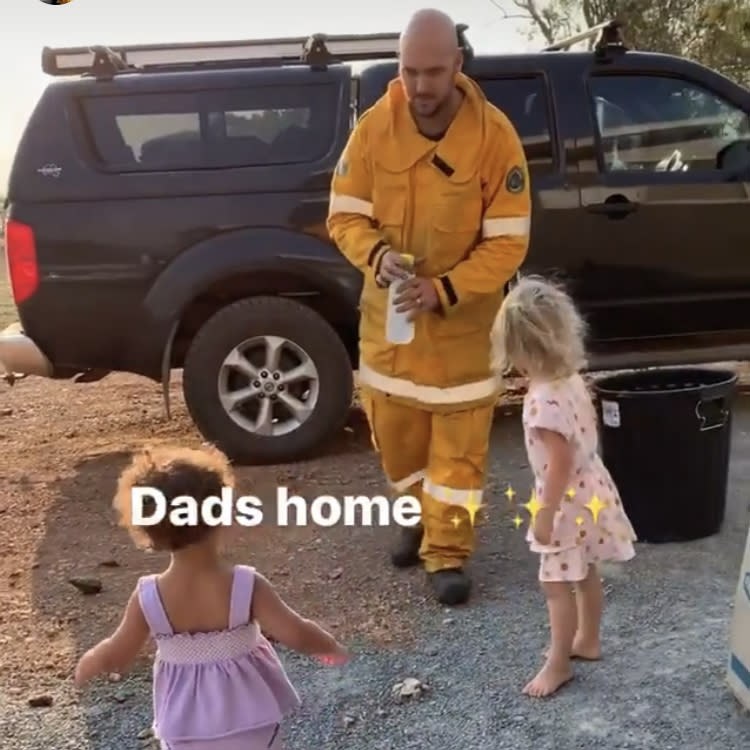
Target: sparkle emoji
510	493
517	521
579	521
595	505
472	507
533	506
456	521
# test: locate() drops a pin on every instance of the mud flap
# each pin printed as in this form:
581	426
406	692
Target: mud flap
166	370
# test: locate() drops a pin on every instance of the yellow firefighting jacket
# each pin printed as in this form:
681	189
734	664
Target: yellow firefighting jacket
462	207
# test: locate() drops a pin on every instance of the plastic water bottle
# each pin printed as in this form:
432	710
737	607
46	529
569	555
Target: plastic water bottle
399	329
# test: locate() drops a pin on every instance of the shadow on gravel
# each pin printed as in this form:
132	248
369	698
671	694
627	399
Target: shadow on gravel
82	542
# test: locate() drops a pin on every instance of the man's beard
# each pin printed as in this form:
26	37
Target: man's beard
438	106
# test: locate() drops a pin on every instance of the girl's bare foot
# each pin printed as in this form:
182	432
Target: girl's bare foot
589	601
581	649
587	650
557	669
550	678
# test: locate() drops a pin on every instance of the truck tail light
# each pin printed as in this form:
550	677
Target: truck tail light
20	255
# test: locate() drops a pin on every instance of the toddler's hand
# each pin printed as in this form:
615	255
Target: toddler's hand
337	657
86	669
543	524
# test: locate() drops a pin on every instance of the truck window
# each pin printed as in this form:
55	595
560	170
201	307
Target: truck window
254	126
524	101
655	123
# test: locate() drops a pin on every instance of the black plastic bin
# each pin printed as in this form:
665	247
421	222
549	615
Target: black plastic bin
666	440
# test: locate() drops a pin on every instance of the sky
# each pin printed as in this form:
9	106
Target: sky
29	25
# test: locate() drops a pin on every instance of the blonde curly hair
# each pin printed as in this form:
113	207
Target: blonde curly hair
174	471
538	331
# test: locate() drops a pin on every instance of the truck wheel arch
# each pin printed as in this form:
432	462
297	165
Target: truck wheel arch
218	272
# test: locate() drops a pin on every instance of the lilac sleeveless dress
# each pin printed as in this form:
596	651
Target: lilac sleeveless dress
224	690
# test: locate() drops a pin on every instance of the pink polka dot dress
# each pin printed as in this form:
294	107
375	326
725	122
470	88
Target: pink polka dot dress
581	535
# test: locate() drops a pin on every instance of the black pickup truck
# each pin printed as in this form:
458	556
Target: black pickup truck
166	210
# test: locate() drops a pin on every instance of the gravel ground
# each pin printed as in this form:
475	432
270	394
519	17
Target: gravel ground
660	684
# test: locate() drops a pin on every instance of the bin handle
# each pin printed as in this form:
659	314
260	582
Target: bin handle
704	420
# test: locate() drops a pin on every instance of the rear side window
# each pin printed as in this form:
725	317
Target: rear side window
253	126
525	102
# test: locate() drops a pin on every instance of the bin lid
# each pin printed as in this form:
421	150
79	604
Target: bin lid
659	381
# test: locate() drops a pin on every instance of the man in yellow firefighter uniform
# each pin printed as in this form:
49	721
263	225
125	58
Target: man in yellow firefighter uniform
435	171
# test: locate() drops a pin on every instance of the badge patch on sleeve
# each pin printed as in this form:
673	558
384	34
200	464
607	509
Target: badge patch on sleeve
515	182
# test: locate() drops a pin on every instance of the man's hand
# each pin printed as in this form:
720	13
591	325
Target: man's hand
417	295
392	268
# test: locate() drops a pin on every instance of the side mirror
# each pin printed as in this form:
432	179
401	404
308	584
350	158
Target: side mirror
734	158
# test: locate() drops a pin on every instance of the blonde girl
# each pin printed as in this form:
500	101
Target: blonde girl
580	519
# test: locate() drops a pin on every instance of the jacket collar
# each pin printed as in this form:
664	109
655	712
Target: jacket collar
401	144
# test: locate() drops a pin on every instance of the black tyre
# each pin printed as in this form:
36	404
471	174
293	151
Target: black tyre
267	380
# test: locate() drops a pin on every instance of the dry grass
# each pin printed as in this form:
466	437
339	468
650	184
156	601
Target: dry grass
7	307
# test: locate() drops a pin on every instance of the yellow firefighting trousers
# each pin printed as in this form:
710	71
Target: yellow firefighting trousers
439	458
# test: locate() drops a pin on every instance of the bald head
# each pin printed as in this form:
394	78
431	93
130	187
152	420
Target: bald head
430	27
429	60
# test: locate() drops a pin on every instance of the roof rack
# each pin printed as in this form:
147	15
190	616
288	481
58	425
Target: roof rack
609	33
316	50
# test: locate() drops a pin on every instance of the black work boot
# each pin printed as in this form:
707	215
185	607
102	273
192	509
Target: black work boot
451	586
405	553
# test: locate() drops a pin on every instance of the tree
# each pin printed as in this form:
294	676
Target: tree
713	32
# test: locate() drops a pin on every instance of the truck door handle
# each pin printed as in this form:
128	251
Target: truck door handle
616	207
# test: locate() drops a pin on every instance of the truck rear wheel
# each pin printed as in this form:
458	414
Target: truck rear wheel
267	380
